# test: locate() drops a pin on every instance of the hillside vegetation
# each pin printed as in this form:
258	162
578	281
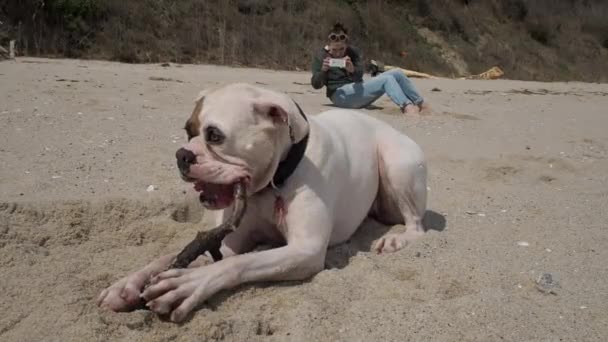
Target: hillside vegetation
532	40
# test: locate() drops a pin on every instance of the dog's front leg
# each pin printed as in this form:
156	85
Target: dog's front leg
179	291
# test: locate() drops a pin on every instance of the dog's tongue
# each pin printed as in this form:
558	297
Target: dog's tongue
199	186
217	195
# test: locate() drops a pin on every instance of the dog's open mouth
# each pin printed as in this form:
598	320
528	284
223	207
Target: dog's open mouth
215	196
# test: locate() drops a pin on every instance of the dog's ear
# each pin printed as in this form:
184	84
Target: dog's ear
201	96
193	124
273	111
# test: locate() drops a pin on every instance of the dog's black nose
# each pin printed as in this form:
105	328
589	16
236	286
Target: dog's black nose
185	158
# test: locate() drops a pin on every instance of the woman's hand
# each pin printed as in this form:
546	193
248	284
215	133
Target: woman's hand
350	67
325	66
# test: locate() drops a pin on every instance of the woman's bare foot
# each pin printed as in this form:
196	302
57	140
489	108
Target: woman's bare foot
410	109
425	108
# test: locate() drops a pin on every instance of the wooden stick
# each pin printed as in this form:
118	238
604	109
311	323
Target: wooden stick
210	240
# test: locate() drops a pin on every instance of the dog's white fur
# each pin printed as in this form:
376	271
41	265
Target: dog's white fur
354	166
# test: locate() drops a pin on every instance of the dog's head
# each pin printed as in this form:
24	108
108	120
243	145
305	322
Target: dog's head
237	132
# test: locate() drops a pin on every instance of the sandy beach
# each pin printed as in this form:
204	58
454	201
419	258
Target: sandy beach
518	188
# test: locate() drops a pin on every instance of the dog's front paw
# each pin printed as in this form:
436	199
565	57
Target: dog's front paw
124	295
177	292
173	292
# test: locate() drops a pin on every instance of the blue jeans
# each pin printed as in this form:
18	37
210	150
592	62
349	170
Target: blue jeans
393	83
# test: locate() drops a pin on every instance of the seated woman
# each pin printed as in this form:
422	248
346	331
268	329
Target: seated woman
345	86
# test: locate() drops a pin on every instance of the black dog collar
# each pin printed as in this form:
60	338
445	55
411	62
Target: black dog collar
294	157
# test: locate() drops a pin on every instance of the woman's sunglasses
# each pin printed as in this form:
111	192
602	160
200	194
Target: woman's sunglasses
337	37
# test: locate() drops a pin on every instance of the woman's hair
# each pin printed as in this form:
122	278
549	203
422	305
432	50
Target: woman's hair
338	28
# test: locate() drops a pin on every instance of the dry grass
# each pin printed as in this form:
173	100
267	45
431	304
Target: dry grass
541	39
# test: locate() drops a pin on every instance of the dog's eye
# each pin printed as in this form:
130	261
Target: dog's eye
213	135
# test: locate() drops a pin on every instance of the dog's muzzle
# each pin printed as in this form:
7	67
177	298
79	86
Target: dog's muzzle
185	158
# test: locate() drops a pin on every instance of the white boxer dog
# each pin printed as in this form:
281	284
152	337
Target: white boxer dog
311	181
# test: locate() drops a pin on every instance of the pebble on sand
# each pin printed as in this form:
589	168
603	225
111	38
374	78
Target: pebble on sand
547	283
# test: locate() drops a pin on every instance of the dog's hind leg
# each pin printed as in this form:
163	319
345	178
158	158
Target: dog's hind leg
402	194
